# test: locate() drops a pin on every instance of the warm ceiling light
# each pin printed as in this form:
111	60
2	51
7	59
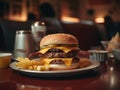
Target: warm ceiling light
99	20
70	19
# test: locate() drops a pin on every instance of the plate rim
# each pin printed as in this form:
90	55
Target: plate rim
94	65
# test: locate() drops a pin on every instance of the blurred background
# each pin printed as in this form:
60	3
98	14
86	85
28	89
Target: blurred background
91	21
66	10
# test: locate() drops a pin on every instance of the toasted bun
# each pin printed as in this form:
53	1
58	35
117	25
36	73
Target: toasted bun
60	38
63	67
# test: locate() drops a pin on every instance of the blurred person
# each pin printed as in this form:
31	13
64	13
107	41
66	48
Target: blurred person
31	17
110	26
46	10
48	15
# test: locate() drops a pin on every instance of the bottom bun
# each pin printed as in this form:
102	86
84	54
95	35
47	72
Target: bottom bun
63	67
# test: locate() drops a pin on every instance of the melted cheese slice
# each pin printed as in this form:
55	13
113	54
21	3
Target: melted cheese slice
67	61
65	49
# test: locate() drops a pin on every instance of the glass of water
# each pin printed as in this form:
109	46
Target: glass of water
38	32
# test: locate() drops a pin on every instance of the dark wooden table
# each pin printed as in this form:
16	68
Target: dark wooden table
106	78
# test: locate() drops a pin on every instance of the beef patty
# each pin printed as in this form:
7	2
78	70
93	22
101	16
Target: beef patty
54	53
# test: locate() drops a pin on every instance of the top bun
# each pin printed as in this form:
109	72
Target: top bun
60	38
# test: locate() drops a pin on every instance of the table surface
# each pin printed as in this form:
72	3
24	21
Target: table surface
107	77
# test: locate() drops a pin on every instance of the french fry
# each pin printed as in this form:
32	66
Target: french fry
26	63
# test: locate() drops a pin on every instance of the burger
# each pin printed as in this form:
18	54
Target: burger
60	51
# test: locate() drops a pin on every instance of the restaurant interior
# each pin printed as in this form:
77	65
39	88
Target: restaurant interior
80	63
82	18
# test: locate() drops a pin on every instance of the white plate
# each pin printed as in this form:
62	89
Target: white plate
61	73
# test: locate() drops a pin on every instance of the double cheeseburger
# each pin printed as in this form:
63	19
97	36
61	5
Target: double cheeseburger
59	51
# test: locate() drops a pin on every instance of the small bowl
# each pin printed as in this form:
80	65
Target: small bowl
5	59
98	55
116	54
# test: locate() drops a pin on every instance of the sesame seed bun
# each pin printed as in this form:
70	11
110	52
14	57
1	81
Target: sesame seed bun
60	38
